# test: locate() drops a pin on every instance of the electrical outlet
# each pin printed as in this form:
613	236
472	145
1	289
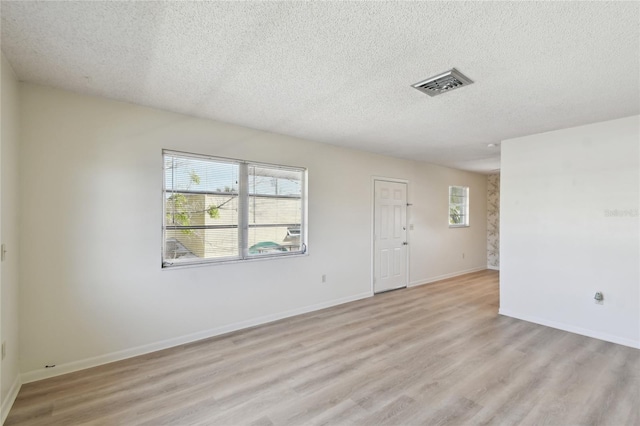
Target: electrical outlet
4	349
411	227
463	255
324	278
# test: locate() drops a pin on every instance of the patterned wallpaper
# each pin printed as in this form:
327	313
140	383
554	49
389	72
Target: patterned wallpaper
493	221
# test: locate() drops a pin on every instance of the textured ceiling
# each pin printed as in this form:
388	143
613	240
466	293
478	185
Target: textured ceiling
341	72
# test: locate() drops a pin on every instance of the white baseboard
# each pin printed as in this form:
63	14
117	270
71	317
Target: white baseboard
493	268
445	276
8	401
573	329
45	373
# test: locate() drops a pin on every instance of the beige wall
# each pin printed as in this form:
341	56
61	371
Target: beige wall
9	372
93	289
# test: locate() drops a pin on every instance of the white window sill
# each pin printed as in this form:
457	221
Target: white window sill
230	261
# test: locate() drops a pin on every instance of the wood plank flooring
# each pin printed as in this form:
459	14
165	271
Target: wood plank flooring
437	354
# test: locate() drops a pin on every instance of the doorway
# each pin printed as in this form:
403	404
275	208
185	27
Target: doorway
390	245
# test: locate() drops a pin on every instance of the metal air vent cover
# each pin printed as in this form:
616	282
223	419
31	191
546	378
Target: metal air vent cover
445	82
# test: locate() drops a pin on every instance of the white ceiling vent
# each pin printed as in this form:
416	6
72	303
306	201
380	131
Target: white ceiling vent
441	83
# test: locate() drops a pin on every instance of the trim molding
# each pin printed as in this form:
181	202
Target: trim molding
445	276
45	373
493	268
572	329
10	398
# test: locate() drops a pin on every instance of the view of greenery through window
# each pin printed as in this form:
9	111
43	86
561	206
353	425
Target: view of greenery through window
205	208
458	206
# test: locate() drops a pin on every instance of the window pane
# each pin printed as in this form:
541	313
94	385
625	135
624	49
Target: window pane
458	205
275	210
206	207
201	208
455	216
201	175
458	190
201	243
274	181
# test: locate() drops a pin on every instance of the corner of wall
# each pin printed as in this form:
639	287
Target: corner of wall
9	222
9	399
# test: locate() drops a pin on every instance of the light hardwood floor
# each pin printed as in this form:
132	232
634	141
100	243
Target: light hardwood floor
436	354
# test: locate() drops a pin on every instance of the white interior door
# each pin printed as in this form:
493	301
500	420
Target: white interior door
390	235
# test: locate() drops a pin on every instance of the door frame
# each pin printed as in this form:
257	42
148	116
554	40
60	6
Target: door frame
373	226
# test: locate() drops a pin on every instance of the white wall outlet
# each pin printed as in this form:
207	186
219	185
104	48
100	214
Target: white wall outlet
411	227
324	278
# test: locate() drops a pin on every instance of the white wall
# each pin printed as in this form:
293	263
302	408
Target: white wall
560	237
9	372
91	282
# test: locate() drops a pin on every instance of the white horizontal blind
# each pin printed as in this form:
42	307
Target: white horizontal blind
201	208
458	206
211	215
275	210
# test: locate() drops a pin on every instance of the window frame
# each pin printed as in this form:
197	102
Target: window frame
465	205
242	215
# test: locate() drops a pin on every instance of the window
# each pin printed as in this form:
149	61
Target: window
458	206
218	209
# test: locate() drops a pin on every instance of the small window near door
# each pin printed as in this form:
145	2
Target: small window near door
458	206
